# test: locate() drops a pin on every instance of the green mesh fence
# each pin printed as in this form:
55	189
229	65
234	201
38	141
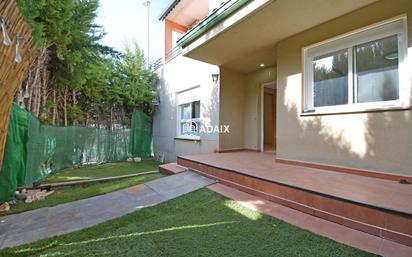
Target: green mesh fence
14	166
141	135
34	150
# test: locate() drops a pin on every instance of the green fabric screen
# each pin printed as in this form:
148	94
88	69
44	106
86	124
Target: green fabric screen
141	135
14	166
34	150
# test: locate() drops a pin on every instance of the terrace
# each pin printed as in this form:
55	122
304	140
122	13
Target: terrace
378	205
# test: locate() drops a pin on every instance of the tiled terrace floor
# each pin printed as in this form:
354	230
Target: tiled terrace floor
381	193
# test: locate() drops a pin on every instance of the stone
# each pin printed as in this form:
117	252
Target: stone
4	207
29	199
137	159
130	159
20	196
39	196
50	192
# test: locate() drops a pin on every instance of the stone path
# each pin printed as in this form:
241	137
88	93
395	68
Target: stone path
42	223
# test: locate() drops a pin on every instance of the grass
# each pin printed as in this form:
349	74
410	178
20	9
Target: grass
101	171
202	223
66	195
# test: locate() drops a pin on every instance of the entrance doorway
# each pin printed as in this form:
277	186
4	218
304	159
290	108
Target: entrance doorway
268	117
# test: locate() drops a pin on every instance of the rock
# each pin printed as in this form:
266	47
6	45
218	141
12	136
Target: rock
20	196
4	207
12	202
130	159
49	193
40	196
137	159
28	199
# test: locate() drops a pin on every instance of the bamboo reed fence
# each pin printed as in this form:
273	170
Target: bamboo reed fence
12	73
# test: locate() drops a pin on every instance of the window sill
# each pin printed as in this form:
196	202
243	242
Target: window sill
349	110
195	139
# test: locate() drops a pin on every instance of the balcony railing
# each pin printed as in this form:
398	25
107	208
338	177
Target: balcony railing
177	50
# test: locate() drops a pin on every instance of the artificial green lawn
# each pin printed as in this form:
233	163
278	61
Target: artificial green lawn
81	192
102	171
202	223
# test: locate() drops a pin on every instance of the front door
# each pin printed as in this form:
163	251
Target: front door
269	120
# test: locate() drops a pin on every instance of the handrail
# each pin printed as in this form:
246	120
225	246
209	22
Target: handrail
224	11
175	51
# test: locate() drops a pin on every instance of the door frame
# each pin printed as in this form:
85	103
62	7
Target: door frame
273	85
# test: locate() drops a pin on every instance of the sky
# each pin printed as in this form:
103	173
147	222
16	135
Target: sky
126	20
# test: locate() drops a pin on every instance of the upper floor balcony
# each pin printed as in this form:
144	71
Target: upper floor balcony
242	34
180	17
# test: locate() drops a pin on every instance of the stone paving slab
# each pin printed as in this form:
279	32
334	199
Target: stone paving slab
42	223
179	184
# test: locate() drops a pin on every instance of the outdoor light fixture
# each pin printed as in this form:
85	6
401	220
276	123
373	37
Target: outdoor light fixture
18	58
215	77
6	38
262	65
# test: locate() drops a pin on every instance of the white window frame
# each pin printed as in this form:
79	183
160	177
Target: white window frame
396	26
192	95
181	121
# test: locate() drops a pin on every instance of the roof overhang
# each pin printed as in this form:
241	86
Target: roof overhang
168	9
186	12
246	37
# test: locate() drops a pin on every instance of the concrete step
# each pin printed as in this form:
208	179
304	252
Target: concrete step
171	168
386	223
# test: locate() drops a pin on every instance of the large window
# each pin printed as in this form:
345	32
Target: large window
360	71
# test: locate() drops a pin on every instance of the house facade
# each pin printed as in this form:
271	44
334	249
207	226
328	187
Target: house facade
315	82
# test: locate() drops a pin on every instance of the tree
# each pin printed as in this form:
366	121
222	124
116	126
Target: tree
76	80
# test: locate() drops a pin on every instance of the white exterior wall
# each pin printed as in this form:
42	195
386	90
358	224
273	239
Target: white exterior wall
178	75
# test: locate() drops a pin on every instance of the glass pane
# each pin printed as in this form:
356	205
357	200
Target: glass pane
196	110
330	73
186	112
190	128
377	70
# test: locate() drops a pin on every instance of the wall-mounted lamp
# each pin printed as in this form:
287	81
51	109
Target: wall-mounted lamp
215	77
6	38
18	58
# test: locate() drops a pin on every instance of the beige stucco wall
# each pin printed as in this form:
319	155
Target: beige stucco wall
252	116
175	76
240	107
232	95
380	141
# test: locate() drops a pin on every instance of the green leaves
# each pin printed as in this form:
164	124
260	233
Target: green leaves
98	83
133	80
